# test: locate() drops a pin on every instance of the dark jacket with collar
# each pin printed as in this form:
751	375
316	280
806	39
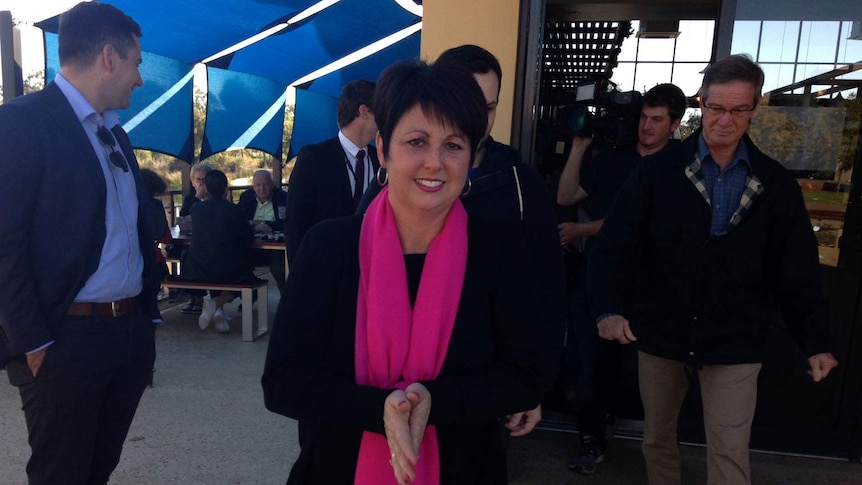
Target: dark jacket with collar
248	205
498	357
319	189
701	299
49	250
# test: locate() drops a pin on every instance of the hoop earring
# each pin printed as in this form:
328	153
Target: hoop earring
469	187
385	177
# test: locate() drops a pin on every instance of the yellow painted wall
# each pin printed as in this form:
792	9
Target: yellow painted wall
492	24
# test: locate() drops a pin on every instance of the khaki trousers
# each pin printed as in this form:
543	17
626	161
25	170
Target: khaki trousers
729	394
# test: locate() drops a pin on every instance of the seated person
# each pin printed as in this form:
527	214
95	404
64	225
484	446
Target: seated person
217	251
157	187
263	207
199	193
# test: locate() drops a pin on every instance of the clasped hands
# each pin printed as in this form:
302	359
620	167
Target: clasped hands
405	416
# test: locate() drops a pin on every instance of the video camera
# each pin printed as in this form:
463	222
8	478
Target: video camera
610	116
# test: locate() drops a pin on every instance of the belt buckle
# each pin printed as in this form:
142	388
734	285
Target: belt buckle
114	305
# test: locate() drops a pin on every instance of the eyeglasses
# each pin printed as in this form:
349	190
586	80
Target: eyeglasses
107	138
735	112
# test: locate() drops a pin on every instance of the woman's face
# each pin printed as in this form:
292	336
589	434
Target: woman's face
427	163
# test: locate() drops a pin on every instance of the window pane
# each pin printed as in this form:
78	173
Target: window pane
624	76
628	51
648	75
805	71
776	76
778	42
818	41
655	50
745	36
695	40
849	50
688	77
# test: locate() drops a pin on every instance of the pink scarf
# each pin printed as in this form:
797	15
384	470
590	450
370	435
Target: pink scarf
393	340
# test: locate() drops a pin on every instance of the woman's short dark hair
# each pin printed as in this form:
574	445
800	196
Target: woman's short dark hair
155	185
216	183
738	67
88	26
446	93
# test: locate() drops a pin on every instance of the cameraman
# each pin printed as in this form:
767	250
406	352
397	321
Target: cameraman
592	366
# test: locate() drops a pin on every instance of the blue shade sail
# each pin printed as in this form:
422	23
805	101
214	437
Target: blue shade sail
335	32
368	68
160	117
314	120
180	33
243	111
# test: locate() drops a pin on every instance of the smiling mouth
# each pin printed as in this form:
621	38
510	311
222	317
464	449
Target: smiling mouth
431	184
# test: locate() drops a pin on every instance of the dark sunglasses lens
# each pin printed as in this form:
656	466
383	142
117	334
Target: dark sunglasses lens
118	161
105	136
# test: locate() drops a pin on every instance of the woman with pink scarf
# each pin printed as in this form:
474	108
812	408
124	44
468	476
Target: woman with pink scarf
403	337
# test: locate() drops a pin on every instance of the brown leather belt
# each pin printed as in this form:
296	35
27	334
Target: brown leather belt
112	309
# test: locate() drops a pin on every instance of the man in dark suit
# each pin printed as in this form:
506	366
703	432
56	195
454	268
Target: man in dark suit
79	280
329	177
263	206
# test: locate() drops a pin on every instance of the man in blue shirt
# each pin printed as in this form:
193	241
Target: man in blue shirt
705	244
79	272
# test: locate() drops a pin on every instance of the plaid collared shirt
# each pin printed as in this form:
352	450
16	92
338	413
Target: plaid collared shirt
729	193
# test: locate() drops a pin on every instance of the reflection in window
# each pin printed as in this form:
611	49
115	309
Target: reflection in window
818	41
849	50
645	62
781	47
746	35
648	75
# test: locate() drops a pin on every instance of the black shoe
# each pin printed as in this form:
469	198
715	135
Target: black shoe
590	456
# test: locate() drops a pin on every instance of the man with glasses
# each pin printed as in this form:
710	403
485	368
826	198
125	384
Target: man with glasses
79	273
704	245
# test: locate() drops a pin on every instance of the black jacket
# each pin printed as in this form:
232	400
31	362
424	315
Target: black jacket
701	299
499	354
248	205
319	189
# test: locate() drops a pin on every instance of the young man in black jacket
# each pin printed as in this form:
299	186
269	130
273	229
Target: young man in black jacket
702	245
592	367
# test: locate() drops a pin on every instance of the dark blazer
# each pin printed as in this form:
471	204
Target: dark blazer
220	235
319	189
500	352
248	205
49	250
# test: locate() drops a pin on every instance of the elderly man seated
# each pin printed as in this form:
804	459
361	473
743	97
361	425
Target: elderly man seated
263	207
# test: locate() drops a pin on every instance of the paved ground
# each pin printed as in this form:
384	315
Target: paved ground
204	423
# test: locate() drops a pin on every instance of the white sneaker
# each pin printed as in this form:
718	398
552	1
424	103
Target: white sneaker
209	308
221	321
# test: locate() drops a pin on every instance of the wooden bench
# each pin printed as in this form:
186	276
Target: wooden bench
249	334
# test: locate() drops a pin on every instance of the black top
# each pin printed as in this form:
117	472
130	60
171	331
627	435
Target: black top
601	178
220	236
500	352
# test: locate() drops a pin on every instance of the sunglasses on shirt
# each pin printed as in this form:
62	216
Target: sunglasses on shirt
107	138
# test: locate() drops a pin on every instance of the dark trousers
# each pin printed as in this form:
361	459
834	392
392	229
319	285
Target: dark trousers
592	365
80	406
